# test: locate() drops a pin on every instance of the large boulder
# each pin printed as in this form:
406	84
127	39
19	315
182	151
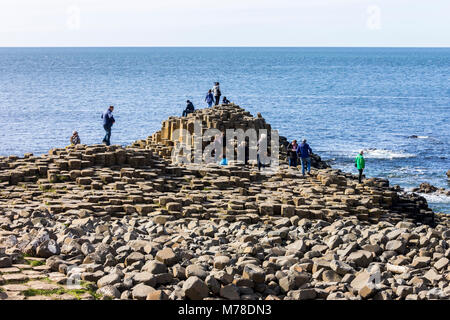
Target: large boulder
195	289
254	273
167	256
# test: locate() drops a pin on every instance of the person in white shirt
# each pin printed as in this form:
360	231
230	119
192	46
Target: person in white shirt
217	93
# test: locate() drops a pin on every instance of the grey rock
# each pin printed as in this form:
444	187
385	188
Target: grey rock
360	258
254	273
230	292
303	294
340	267
141	291
134	257
196	270
154	267
195	289
213	284
167	256
221	262
109	292
109	279
396	245
5	262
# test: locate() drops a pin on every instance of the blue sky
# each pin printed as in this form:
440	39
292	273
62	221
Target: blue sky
224	23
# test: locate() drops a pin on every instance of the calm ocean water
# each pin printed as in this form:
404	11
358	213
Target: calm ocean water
340	99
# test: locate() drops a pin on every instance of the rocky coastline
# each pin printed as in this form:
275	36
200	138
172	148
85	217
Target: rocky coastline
98	222
430	189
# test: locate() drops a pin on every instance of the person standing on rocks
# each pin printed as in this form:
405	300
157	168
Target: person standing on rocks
108	121
304	151
292	153
209	98
360	164
75	139
217	93
189	108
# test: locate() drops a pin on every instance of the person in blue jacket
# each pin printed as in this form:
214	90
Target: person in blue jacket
209	98
304	152
108	121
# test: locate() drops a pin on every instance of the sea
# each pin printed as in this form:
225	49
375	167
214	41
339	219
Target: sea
394	103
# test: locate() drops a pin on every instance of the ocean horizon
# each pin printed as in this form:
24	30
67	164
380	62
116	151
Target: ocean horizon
394	103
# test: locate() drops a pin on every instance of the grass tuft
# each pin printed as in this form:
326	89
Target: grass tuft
35	263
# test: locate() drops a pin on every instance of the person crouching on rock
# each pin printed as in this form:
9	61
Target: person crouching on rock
292	153
75	139
304	151
108	121
360	164
225	101
189	108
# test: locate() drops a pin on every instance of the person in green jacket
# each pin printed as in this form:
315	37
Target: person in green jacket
360	164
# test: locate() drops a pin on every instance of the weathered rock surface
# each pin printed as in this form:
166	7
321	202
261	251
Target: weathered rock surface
425	187
131	225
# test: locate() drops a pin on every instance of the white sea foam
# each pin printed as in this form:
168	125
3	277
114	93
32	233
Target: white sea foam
416	171
431	197
372	154
435	197
385	154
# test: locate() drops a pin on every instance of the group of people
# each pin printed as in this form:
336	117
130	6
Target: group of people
303	153
214	94
296	152
300	152
108	121
212	97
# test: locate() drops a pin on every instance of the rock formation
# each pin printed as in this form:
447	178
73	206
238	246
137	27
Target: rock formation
220	117
425	187
129	224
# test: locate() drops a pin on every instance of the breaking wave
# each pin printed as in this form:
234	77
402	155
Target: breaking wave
385	154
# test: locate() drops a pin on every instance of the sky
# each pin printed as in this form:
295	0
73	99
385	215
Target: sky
414	23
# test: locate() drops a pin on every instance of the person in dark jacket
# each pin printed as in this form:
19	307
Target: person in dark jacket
209	98
225	101
216	92
292	153
189	108
108	121
304	152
